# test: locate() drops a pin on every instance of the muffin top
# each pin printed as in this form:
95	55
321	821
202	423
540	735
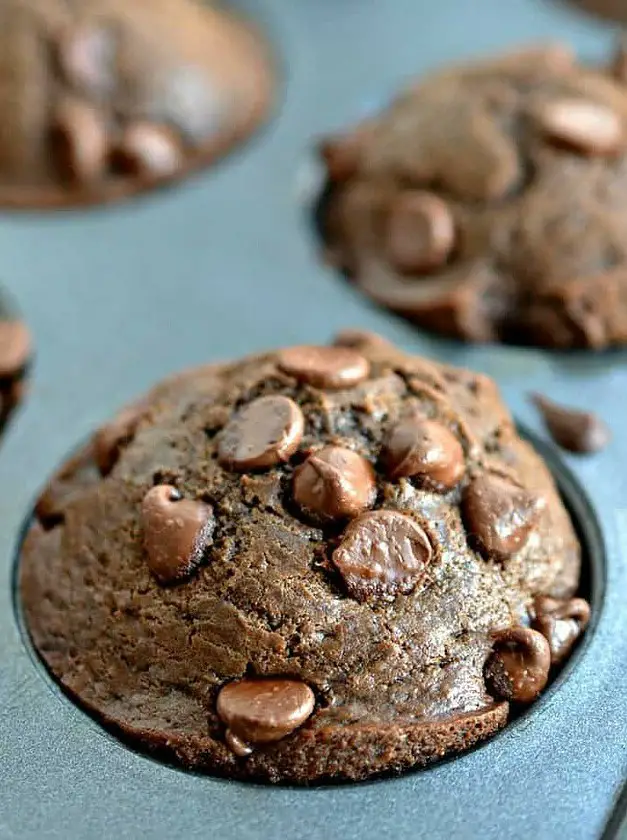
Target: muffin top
101	98
321	561
488	201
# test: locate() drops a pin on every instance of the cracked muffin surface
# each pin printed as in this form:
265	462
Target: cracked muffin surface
319	562
100	99
487	201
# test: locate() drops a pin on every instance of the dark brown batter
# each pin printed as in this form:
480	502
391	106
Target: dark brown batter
315	563
100	99
488	202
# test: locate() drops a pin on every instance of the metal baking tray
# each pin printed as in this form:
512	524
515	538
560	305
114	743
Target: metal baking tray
223	265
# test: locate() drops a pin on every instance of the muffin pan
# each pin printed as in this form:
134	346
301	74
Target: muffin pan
223	265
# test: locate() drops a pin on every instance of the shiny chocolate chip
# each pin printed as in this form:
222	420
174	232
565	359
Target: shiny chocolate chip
176	531
264	433
583	126
426	449
499	515
80	142
147	150
573	429
382	553
518	668
260	711
324	367
334	483
561	622
420	232
358	339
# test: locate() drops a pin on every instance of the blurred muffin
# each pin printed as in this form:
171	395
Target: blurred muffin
488	202
102	98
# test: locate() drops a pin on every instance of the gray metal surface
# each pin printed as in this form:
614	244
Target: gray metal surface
225	265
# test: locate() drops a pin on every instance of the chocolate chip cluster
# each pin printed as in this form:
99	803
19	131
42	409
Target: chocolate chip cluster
379	554
314	563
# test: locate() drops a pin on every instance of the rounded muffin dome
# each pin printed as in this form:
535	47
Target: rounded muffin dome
318	562
102	98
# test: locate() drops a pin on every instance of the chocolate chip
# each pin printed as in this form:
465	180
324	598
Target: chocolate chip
15	347
87	55
572	429
499	515
324	367
518	668
334	483
236	745
561	623
382	553
79	142
176	531
357	339
147	150
420	232
426	449
585	127
260	711
264	433
109	440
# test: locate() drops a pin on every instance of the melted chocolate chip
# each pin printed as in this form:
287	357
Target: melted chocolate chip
357	339
15	347
561	623
147	150
499	515
260	711
236	745
426	449
176	532
264	433
585	127
572	429
334	483
518	668
324	367
86	55
110	440
79	141
382	553
420	232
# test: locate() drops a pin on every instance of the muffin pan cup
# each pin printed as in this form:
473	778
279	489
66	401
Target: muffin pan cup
226	264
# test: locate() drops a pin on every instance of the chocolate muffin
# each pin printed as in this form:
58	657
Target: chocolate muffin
488	202
102	98
321	562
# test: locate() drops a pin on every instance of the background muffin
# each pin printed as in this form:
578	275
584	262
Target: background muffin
488	202
101	98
